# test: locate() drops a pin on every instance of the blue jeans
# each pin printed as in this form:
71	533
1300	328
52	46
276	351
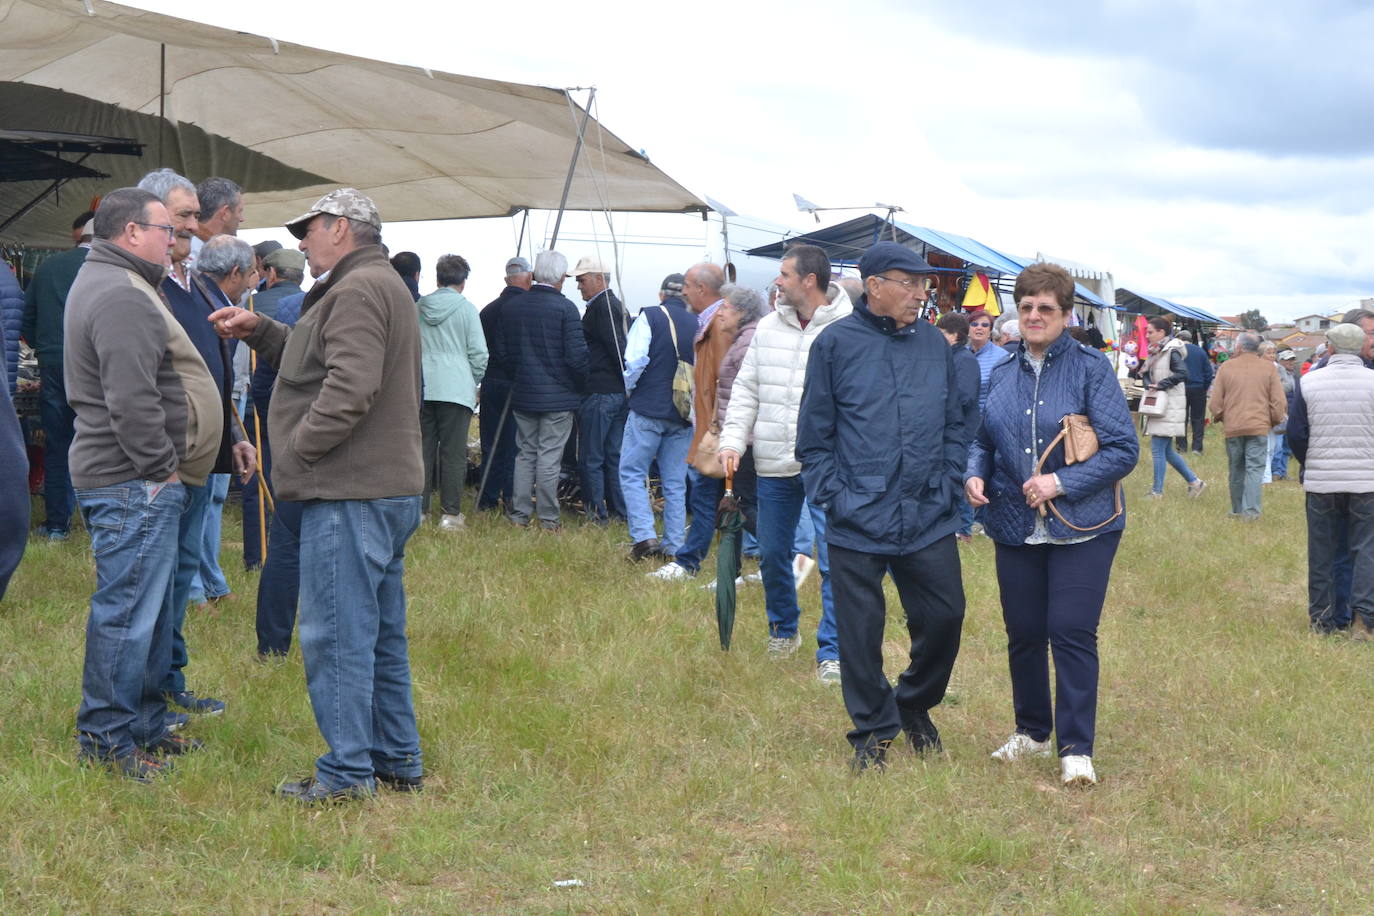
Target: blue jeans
705	500
59	427
1339	525
1162	450
133	528
780	504
189	540
1342	574
279	586
1278	456
601	427
1245	456
647	438
209	581
353	637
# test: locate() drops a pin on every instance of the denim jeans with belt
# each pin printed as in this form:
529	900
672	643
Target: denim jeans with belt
600	429
1327	515
133	527
780	501
353	637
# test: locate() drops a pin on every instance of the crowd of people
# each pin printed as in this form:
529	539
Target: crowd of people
849	425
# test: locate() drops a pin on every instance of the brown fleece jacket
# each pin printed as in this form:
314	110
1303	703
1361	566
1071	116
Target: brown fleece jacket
1247	396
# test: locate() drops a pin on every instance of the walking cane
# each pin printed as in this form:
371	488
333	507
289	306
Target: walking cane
262	484
500	425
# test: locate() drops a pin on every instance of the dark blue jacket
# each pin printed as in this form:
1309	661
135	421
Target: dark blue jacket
604	326
653	392
1200	368
1023	416
494	329
880	433
14	485
970	378
267	301
191	309
45	301
12	315
543	345
288	312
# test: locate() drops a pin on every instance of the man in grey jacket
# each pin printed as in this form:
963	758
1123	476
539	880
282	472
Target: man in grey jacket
345	439
137	385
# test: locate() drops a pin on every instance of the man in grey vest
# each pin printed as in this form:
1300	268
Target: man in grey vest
1331	431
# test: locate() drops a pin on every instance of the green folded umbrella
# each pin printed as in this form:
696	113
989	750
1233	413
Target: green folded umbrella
729	522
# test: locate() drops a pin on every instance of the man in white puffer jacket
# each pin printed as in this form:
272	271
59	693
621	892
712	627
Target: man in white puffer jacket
763	408
1331	431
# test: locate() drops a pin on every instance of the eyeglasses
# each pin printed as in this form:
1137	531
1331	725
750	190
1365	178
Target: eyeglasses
980	324
170	230
1038	309
917	284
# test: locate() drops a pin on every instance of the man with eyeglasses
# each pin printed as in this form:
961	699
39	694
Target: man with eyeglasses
882	445
137	385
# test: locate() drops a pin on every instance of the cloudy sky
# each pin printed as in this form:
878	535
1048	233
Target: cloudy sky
1216	152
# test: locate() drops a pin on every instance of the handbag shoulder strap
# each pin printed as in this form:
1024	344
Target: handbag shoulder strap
672	329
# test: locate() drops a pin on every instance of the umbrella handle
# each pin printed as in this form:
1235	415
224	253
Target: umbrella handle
729	483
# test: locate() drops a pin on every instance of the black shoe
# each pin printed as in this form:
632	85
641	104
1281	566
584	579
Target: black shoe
923	735
201	706
170	745
873	757
401	783
309	792
645	549
140	766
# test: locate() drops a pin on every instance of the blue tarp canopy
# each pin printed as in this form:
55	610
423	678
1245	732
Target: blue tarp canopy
1140	303
844	242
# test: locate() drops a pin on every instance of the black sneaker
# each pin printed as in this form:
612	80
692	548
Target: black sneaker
309	792
201	706
140	766
923	735
170	745
401	783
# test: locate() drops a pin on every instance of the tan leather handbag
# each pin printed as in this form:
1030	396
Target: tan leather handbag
1080	444
707	458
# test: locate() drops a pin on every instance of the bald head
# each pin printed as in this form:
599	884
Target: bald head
702	285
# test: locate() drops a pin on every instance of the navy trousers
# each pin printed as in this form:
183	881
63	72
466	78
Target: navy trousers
1052	598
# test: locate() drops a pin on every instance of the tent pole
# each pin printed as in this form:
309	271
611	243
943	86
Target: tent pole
161	104
524	220
572	166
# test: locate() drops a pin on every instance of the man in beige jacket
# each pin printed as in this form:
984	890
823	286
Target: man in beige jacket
1248	399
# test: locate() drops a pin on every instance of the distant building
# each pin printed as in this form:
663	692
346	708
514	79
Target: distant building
1314	324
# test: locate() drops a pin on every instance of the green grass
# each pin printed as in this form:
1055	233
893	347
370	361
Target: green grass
580	721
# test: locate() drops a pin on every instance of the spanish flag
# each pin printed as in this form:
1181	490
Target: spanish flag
981	295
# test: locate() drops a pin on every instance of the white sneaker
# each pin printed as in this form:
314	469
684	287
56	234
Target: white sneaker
754	576
828	672
1077	770
1021	745
670	572
783	646
802	565
452	522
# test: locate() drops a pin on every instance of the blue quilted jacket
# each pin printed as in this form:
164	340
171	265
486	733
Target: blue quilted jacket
12	313
1023	416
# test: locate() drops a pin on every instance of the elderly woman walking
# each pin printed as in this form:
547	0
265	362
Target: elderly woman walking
1166	371
1052	567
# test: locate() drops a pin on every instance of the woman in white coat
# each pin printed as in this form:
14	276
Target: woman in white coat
1165	371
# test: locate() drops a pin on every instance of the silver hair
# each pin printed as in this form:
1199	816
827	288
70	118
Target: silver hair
1011	329
1248	342
1267	345
744	300
1185	336
163	182
219	256
364	233
1356	315
550	267
215	193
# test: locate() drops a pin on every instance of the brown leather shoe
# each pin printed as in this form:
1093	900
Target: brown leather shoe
645	549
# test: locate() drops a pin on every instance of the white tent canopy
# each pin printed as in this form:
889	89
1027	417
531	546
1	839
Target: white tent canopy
290	123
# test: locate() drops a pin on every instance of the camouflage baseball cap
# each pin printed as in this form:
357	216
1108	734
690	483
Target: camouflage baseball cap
349	202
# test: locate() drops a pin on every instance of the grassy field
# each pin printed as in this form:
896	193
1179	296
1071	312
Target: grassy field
580	722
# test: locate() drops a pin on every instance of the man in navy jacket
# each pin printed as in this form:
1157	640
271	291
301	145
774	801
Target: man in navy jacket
882	444
1200	374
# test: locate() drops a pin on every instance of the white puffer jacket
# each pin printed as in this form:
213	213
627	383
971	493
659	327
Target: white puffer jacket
768	389
1340	427
1173	423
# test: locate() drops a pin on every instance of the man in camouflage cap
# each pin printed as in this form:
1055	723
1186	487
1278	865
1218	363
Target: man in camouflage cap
345	435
